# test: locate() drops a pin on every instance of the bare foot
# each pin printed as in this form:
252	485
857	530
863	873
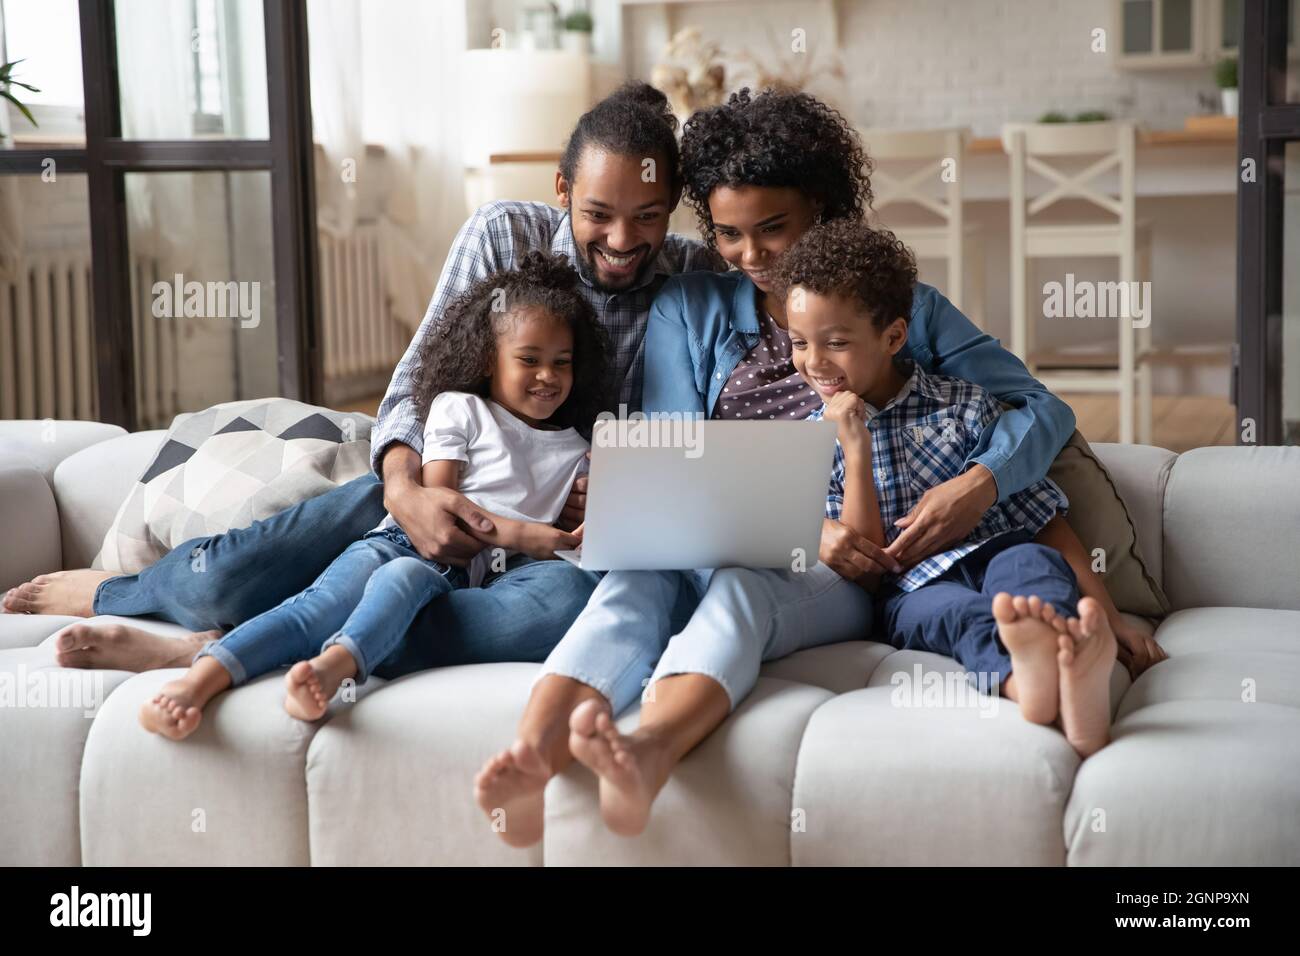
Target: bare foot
630	768
511	789
121	648
177	708
311	685
61	592
1023	626
1086	656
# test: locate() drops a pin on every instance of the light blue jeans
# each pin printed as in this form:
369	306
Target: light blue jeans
642	626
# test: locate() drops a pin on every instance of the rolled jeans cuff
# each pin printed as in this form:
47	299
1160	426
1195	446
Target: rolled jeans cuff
226	659
351	646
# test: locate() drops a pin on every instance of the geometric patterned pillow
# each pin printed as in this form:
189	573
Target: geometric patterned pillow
228	466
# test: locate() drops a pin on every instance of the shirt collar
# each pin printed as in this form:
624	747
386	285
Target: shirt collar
919	382
744	306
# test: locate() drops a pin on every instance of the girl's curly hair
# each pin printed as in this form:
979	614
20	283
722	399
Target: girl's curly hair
849	258
456	353
777	138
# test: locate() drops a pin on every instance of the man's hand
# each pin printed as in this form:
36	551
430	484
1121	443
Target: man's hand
575	506
945	514
436	520
1137	650
852	556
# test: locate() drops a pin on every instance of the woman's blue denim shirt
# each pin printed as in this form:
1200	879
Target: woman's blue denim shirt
702	323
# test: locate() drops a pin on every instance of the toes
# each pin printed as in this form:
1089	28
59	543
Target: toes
1021	606
1035	605
1047	612
1003	608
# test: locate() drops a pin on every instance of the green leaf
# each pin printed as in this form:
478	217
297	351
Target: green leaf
5	94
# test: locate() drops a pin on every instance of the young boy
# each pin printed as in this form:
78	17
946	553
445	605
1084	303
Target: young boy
1002	600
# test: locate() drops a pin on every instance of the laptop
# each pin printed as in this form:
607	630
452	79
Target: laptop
674	494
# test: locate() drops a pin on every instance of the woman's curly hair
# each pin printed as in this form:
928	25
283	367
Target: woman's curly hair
455	355
777	138
847	257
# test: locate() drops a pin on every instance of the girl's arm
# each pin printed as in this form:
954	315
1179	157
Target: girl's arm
1138	650
532	538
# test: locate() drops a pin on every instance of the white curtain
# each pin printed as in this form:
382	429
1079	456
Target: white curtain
387	72
156	74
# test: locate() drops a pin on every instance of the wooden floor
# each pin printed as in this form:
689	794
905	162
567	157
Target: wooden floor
1179	422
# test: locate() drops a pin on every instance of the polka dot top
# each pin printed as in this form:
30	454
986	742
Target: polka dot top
765	385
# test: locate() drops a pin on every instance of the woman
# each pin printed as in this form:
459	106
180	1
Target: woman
758	171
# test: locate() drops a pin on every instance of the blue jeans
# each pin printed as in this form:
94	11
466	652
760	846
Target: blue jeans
368	597
643	626
218	583
953	614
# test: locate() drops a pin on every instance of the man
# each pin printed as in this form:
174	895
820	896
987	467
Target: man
617	184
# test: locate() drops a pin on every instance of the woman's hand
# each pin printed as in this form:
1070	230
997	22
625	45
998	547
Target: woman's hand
1137	649
945	514
852	556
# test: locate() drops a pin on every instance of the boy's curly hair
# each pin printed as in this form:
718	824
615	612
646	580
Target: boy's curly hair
847	257
777	138
456	353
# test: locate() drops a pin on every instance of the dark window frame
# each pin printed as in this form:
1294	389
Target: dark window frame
107	158
1266	124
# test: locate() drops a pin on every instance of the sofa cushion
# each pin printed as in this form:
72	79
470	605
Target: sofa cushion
29	630
1104	520
1232	520
42	735
390	780
91	485
228	466
727	803
29	524
47	442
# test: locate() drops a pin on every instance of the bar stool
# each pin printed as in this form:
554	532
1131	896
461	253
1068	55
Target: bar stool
1030	146
897	180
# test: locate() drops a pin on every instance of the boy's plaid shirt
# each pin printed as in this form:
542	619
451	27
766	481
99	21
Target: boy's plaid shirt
921	439
498	236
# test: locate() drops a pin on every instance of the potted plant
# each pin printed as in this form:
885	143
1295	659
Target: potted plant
7	82
1225	77
577	32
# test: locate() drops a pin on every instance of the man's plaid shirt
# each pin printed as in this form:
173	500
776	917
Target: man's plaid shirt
498	236
921	439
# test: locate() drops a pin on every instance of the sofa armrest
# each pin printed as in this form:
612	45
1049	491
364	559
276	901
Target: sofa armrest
30	542
46	443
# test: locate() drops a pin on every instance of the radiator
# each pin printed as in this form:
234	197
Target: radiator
47	367
362	339
47	354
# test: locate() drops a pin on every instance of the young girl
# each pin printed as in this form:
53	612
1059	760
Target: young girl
518	366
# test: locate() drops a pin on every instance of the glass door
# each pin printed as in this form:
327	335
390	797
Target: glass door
1267	374
187	145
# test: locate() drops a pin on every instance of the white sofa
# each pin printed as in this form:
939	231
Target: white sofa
821	765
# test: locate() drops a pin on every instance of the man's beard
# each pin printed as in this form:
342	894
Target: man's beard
592	271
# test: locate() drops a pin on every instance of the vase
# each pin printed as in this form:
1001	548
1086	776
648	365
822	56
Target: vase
1229	98
575	41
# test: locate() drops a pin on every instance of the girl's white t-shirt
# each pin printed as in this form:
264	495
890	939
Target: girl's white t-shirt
508	467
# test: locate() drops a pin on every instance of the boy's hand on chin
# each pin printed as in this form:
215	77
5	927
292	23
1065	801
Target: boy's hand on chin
849	412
